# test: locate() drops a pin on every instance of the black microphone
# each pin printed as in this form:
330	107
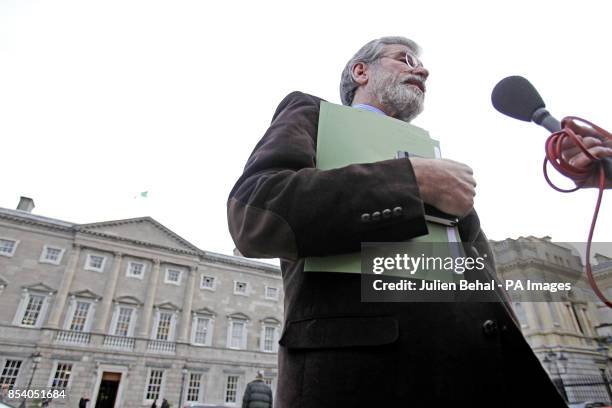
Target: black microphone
514	96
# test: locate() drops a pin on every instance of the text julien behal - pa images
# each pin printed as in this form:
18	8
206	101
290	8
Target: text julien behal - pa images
437	285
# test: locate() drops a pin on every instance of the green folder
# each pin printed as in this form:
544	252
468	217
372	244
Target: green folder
347	136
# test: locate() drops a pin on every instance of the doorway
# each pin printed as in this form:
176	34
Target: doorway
109	385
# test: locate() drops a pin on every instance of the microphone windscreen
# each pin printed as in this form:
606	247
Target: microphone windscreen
516	97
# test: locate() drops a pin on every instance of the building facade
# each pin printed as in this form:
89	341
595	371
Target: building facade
127	312
567	332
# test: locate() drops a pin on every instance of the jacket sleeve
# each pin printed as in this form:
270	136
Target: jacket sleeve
282	206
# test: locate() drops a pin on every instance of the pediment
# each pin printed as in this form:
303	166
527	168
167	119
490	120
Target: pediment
129	300
167	306
144	229
204	311
39	287
271	320
238	316
86	294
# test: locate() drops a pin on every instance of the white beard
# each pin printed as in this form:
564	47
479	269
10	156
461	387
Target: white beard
405	100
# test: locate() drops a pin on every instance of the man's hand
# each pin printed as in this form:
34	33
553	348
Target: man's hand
446	184
595	144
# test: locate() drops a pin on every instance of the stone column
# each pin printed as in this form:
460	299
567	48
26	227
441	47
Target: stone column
147	312
62	293
107	297
187	303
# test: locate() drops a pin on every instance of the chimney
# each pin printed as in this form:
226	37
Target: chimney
25	204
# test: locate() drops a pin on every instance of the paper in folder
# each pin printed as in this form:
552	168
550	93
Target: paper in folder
347	136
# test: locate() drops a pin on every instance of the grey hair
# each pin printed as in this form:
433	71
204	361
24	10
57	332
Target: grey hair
368	54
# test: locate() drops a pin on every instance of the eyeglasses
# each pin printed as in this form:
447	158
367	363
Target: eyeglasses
410	59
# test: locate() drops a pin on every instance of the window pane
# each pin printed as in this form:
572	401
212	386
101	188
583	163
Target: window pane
201	330
52	254
173	275
96	261
123	321
231	388
154	384
208	282
136	269
80	316
236	338
269	334
193	390
10	373
62	376
32	311
240	287
6	246
271	293
163	326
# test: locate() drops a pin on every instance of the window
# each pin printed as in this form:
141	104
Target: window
173	276
552	309
231	389
135	270
79	317
10	372
240	288
201	330
521	314
271	293
154	384
61	378
268	381
52	255
574	317
32	310
194	388
8	246
123	326
207	282
95	263
269	339
165	326
237	334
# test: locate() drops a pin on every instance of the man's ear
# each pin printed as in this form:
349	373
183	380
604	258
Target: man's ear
360	73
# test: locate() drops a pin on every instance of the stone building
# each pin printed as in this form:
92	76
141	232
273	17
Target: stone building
127	312
566	330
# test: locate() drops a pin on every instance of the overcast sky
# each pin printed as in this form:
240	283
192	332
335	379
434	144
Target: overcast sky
100	101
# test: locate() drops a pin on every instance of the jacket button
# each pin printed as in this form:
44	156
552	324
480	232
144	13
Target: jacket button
397	211
386	213
376	216
365	217
489	327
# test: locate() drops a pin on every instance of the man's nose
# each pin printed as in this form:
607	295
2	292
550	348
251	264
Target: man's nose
420	71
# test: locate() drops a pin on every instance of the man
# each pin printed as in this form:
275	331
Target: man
257	393
83	401
4	389
336	351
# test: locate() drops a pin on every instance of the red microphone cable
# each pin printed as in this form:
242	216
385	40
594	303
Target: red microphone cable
579	175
